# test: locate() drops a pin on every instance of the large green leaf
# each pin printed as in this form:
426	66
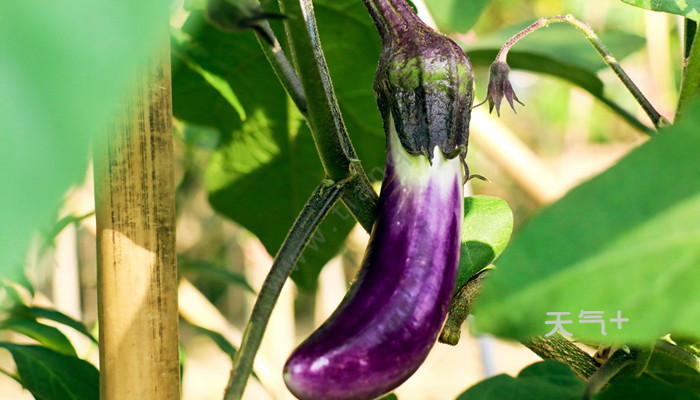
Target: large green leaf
687	8
54	315
64	67
456	15
488	223
627	240
628	388
666	369
215	273
48	336
49	375
545	380
561	51
265	168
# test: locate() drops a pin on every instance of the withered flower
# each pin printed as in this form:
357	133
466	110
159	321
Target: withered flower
499	86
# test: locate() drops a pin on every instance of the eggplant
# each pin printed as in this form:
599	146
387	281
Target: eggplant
390	318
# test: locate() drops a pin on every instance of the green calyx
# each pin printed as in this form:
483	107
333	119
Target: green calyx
425	82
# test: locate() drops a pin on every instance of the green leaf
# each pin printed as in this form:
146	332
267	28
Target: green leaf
488	223
644	387
545	380
9	277
54	315
65	66
264	169
219	339
456	15
49	375
48	336
193	59
666	369
627	240
687	343
216	273
687	8
561	51
62	223
390	396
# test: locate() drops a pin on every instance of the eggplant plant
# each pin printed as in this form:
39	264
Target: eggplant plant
623	243
390	319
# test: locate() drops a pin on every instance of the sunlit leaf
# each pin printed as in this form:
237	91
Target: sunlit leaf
687	8
48	336
488	223
264	169
627	241
456	15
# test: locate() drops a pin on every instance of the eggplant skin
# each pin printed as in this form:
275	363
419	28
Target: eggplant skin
389	320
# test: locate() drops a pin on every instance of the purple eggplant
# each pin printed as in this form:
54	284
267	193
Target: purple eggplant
389	320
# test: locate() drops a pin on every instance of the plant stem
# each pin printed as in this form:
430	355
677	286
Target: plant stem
282	67
326	123
315	209
678	354
554	347
656	118
327	127
690	86
619	360
460	308
557	347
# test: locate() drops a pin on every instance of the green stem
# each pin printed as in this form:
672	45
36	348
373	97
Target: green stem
326	123
618	361
556	347
627	116
327	127
460	308
656	118
678	354
690	86
282	67
316	208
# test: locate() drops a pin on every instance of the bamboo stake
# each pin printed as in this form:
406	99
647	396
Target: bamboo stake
137	276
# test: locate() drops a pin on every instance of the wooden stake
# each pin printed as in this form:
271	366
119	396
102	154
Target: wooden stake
137	275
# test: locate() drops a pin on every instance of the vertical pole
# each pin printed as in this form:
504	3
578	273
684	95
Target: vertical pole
135	211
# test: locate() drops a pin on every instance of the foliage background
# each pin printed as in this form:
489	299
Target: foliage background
246	163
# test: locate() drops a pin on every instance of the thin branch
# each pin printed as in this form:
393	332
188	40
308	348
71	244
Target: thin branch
327	127
554	347
619	360
281	65
557	347
690	86
316	208
678	354
326	123
657	119
460	308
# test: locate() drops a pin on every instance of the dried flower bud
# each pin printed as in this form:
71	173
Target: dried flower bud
499	86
